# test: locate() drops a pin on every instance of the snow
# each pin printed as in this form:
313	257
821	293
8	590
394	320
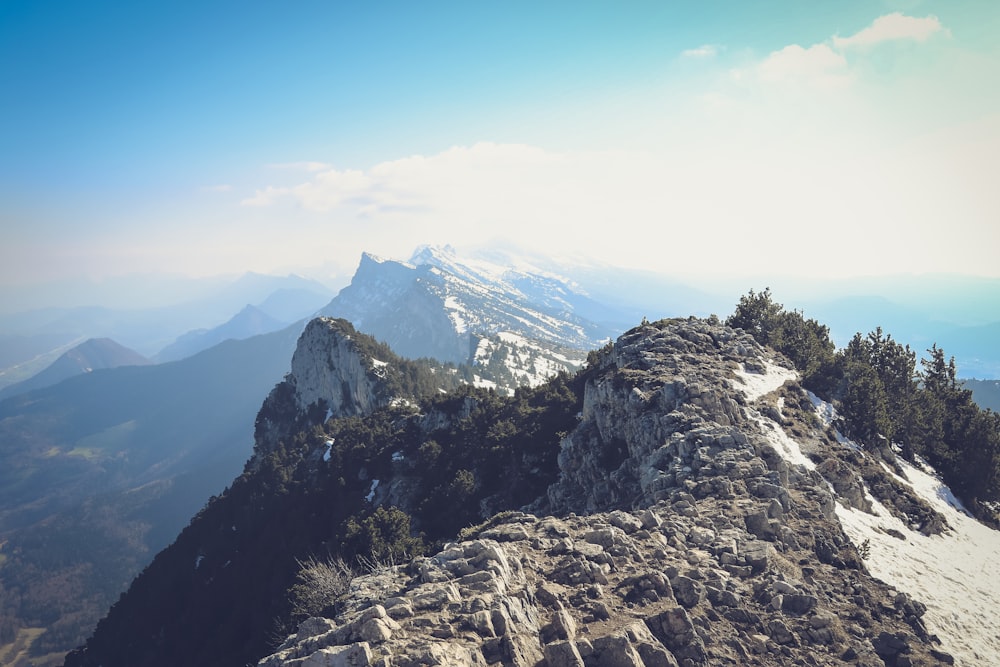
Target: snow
784	444
371	491
482	383
326	453
455	310
512	338
755	385
828	415
957	574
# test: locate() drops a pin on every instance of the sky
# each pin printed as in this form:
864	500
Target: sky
819	139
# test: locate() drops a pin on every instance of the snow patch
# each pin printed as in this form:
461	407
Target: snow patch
371	491
828	415
956	574
786	446
755	385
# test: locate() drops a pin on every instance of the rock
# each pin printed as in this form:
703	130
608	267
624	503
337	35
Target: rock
355	655
563	654
687	591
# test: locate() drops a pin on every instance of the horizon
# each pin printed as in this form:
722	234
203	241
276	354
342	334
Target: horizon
153	290
832	143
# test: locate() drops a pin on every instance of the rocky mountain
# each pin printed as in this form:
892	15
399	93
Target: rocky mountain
179	431
90	355
676	502
472	311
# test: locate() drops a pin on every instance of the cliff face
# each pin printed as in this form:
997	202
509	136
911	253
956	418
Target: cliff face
687	527
333	373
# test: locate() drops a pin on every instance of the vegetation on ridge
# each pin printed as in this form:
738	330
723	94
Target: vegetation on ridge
885	399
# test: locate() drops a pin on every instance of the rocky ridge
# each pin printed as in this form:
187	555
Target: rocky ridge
692	523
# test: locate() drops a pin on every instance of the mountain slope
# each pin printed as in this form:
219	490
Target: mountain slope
250	321
90	355
100	471
985	392
682	481
439	306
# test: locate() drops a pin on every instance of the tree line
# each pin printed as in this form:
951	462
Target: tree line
887	400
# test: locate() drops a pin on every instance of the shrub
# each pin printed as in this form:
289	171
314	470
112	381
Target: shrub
318	585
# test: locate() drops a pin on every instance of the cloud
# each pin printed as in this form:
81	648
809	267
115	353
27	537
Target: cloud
726	203
892	27
825	65
703	51
819	65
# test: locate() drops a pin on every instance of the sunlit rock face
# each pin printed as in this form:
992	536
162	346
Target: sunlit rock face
330	376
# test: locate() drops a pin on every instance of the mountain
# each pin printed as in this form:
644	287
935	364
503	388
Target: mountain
100	471
463	310
985	392
681	500
88	356
147	329
290	304
250	321
80	437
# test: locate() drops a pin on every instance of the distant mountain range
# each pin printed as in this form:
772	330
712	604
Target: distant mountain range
251	321
100	471
88	356
32	339
985	392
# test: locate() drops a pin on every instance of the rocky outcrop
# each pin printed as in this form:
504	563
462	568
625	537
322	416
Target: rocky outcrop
680	583
692	523
331	375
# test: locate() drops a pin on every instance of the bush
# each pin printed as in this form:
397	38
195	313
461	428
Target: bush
318	585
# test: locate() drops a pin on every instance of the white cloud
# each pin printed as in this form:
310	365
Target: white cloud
726	206
892	27
265	197
703	51
818	66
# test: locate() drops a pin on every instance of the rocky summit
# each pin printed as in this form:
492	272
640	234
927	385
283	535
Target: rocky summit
691	522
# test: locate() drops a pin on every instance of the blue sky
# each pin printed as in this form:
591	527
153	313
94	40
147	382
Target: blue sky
692	137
